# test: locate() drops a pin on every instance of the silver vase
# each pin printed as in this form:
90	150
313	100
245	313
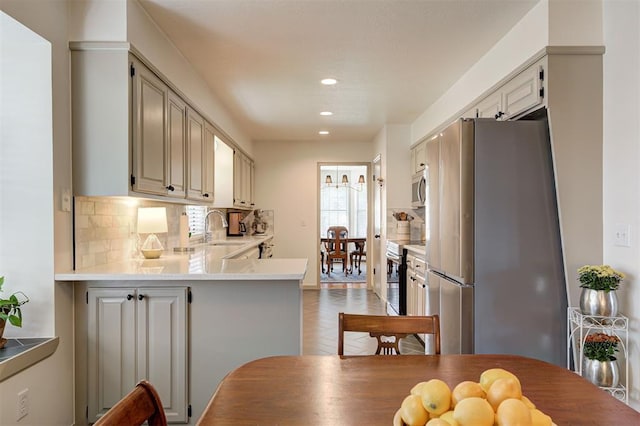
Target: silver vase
601	373
598	303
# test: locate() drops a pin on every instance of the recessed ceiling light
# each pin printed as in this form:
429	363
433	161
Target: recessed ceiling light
323	132
326	113
328	81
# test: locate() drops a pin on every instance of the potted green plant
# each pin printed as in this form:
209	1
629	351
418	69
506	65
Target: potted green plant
10	310
599	364
599	284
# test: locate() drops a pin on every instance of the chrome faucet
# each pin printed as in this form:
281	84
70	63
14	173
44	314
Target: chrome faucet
206	222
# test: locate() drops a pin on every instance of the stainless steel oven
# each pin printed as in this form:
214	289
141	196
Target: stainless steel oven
396	289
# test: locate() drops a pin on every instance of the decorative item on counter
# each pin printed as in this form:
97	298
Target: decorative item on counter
152	220
184	234
599	364
403	230
259	225
599	284
10	310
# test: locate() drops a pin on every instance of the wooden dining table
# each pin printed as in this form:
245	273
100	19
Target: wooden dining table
358	242
368	390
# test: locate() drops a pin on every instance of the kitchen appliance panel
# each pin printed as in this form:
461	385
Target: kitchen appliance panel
516	302
519	269
432	203
456	318
418	189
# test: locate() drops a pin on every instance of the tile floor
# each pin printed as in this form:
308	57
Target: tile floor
320	321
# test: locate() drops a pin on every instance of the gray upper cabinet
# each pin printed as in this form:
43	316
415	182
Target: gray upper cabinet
133	134
177	141
150	99
520	94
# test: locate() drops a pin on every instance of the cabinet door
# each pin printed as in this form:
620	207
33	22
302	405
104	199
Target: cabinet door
111	349
420	157
491	106
177	141
149	132
208	162
247	179
162	346
195	150
238	179
523	92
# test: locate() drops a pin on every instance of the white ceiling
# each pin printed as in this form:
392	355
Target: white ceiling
264	59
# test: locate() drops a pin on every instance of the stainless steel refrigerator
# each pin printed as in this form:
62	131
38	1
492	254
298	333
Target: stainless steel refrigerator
494	252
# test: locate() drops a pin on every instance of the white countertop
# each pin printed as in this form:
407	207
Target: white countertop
419	250
206	262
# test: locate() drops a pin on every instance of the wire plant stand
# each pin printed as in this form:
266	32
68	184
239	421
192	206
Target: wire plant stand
579	326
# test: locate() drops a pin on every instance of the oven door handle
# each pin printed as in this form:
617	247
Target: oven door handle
393	257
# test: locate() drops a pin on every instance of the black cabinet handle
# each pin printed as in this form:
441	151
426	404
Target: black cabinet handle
499	114
129	296
171	188
140	296
376	236
205	195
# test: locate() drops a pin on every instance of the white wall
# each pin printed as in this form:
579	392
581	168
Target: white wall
287	183
519	44
49	237
622	161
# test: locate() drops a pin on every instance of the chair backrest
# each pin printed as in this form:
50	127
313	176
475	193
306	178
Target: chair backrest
141	404
384	327
337	233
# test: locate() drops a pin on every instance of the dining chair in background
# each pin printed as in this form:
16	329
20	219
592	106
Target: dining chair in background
336	247
138	406
388	330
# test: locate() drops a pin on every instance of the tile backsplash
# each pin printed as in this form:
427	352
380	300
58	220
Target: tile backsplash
415	225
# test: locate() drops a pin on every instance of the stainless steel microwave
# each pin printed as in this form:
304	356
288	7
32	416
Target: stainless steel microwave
419	189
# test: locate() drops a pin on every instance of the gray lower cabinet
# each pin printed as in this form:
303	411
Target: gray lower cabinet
137	333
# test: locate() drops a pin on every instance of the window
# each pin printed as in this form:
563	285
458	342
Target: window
343	204
196	221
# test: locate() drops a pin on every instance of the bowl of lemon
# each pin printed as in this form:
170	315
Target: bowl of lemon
496	399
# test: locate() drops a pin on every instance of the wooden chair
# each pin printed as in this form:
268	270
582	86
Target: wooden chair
138	406
355	257
336	247
395	327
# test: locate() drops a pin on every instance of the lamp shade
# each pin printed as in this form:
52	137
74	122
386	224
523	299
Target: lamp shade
152	220
361	179
328	180
345	179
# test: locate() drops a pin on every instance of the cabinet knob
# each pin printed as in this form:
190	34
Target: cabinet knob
171	188
129	296
376	236
140	296
205	195
499	114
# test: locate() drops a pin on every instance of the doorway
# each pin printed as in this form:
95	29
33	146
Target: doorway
343	201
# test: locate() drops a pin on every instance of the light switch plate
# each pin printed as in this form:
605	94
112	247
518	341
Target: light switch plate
66	200
622	236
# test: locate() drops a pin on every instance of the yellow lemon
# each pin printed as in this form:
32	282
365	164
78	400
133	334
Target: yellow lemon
489	376
513	412
437	422
474	411
528	402
502	389
417	388
436	396
538	418
448	417
466	389
397	419
412	411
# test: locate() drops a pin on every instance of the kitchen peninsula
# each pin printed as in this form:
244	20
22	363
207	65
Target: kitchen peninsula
182	321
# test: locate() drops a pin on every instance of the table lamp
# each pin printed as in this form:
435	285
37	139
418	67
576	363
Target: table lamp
152	220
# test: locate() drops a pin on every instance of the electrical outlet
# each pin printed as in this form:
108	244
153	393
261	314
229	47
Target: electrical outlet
622	237
23	404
